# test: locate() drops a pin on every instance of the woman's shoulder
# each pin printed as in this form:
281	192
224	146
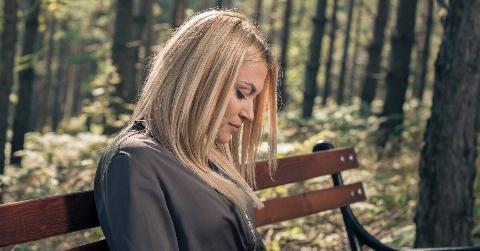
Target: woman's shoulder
141	147
139	144
135	150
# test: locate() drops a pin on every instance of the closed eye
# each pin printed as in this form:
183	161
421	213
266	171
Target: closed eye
253	89
240	95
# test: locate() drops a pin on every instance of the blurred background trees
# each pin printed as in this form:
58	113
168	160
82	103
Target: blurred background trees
357	73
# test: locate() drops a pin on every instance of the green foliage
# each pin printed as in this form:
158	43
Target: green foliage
54	164
106	113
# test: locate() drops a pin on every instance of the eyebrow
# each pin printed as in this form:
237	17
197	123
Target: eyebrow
253	89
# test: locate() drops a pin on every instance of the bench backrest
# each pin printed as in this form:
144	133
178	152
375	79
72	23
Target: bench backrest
35	219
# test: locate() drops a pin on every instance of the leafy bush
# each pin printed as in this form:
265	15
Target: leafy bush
54	164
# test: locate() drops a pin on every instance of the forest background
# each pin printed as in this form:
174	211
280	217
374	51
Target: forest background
357	73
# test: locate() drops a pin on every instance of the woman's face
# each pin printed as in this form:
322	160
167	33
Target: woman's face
248	85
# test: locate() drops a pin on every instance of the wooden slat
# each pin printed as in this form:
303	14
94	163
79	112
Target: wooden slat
94	246
30	220
303	167
291	207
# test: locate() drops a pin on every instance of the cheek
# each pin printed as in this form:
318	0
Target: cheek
223	135
232	109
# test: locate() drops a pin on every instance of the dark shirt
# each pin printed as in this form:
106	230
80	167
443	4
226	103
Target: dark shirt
146	200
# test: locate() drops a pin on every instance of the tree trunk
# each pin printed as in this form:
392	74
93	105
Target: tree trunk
45	99
7	55
60	85
346	44
26	78
122	51
258	11
477	120
271	22
38	85
372	74
70	92
283	55
147	37
78	93
313	64
444	215
178	14
71	83
419	85
331	48
140	28
356	44
399	70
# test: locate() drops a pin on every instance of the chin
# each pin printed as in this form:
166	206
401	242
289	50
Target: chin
223	139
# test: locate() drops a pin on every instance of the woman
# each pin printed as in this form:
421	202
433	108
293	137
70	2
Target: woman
180	175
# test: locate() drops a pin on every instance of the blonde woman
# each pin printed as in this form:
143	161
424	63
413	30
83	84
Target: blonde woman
180	175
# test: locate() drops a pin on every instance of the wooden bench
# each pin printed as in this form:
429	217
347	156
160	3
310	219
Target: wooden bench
30	220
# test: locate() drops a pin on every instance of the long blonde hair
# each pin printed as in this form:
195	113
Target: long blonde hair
185	97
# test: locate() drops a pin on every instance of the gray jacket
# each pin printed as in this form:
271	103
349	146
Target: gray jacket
146	200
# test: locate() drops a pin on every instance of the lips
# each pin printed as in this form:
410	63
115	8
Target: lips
235	127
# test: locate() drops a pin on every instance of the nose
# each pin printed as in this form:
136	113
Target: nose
247	113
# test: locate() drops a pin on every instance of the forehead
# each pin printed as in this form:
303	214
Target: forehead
253	72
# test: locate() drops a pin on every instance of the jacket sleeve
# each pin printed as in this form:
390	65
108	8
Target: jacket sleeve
135	208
